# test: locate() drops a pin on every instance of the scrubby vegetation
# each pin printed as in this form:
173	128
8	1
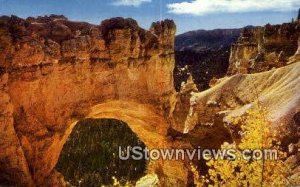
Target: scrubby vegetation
90	156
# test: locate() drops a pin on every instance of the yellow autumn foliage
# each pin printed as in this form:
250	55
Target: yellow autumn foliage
248	172
117	183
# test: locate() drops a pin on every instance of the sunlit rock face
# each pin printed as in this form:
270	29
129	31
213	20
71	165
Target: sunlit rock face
263	48
55	72
211	112
278	91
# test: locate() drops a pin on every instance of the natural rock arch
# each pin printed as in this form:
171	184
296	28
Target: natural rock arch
143	119
55	72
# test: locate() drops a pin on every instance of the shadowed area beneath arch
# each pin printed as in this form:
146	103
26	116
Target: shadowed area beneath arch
90	156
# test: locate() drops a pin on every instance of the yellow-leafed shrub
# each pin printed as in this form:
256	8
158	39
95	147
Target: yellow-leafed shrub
248	172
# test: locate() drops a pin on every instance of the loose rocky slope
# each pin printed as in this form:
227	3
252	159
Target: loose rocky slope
278	91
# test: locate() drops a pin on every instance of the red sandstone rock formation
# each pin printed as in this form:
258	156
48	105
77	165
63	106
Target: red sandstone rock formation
55	72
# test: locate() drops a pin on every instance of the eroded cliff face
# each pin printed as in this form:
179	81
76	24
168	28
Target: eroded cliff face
55	72
264	68
263	48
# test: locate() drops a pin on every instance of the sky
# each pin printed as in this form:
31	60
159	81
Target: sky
187	14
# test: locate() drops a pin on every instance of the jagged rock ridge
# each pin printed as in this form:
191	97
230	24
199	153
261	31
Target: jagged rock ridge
54	39
263	48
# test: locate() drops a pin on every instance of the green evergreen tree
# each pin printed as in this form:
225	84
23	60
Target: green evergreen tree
90	156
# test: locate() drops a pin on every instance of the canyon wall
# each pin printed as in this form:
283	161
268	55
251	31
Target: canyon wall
263	48
55	72
264	70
